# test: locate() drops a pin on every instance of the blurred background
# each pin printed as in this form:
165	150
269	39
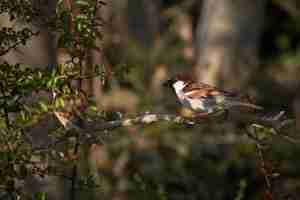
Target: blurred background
248	46
251	47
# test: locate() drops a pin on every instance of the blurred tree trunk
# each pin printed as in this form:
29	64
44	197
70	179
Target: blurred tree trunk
227	41
96	59
143	20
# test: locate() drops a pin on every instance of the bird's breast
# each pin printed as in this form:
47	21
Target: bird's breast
195	104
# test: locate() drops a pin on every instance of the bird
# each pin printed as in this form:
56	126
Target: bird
204	99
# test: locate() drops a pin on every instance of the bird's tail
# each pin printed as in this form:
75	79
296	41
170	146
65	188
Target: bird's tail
231	104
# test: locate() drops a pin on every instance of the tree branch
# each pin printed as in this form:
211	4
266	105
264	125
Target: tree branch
88	131
274	122
147	118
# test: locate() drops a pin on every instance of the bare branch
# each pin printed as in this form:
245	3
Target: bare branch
275	122
147	118
89	131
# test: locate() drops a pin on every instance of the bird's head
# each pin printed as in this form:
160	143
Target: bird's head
169	83
178	81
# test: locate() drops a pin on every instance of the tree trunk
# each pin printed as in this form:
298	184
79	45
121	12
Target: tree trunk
227	40
143	20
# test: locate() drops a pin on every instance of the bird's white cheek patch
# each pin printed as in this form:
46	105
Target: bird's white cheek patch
179	85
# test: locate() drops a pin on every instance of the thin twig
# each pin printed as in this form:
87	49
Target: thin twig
74	172
263	166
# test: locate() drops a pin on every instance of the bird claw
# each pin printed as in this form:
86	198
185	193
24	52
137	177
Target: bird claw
189	125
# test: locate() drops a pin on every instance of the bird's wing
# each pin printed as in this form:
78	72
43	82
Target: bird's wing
222	97
198	90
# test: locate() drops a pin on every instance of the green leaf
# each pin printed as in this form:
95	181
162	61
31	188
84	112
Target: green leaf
41	196
82	3
43	106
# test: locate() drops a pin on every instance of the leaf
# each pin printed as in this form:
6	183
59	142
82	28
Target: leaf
23	115
49	83
43	106
59	102
82	3
41	196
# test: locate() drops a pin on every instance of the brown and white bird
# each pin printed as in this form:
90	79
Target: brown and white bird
205	99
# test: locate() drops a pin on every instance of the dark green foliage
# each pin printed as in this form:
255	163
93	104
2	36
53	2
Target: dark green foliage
28	94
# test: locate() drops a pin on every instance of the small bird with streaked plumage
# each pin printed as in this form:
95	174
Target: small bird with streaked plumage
205	99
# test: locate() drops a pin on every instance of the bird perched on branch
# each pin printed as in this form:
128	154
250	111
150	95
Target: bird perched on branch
205	99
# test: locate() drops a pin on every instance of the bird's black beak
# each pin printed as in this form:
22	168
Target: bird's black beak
169	83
